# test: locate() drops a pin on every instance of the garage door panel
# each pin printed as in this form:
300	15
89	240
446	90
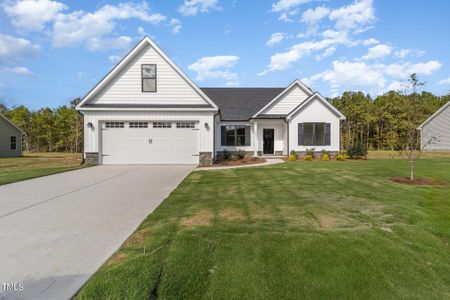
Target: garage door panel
150	145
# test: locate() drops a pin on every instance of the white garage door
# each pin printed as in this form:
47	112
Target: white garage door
148	142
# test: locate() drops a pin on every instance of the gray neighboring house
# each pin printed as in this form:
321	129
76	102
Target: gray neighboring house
10	138
436	129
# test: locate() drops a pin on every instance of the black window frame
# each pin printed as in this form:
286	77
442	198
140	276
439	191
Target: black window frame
13	142
143	78
138	124
325	136
246	137
114	124
162	125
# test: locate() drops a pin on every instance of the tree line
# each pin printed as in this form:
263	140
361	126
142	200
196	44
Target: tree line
384	122
379	123
48	129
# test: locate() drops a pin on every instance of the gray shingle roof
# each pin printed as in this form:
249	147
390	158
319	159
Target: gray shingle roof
237	104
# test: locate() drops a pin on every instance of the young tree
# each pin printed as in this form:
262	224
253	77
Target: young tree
411	147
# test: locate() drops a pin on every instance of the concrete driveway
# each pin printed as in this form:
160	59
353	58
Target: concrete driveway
56	231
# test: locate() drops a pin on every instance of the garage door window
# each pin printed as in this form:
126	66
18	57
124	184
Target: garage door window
185	125
114	125
162	125
138	125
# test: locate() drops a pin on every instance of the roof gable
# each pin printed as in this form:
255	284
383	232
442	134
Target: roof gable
296	84
438	112
316	96
2	117
173	86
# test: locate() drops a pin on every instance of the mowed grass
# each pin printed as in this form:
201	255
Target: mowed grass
33	165
314	230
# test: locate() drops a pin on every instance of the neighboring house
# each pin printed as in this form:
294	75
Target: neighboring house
147	111
435	131
10	138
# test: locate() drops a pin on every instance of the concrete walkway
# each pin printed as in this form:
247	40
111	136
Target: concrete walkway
269	161
56	231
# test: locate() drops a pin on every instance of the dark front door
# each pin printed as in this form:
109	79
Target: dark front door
268	139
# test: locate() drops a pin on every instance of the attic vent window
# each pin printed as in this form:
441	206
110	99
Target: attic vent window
148	74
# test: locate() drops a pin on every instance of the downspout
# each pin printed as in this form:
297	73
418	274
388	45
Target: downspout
287	135
214	135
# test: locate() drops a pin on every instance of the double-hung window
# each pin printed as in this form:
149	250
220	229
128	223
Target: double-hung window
235	135
13	142
314	134
148	74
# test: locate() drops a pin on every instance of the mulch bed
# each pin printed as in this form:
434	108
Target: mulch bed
418	181
239	162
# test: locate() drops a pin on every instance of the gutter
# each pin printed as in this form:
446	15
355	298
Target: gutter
214	134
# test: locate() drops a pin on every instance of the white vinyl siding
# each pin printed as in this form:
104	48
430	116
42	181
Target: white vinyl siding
315	112
437	129
93	135
287	102
126	86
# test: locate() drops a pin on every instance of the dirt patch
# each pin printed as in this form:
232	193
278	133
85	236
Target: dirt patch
326	221
201	218
239	162
116	258
231	214
418	181
260	212
138	237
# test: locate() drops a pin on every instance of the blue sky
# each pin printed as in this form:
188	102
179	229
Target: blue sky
53	51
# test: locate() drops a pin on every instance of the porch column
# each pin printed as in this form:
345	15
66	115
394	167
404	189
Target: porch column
255	138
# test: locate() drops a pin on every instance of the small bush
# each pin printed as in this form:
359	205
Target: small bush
325	152
308	158
293	152
311	152
325	157
226	155
292	157
341	157
241	154
357	151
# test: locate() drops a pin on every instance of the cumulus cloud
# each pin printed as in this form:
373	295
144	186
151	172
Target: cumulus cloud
445	81
194	7
326	53
313	16
283	5
94	30
276	38
31	15
175	25
347	74
354	16
13	50
215	67
17	70
379	51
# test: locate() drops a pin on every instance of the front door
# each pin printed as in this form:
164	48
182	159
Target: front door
268	140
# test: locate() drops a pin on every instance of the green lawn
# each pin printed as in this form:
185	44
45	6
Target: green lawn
33	165
314	230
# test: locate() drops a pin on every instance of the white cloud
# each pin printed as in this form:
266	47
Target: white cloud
275	38
141	31
193	7
355	16
326	53
114	58
402	53
284	17
287	4
347	74
175	25
31	15
215	67
371	41
313	16
445	81
378	51
395	86
18	70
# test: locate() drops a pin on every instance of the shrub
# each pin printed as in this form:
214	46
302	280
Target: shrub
310	152
292	157
325	152
226	155
357	151
241	154
293	152
341	157
325	157
308	158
